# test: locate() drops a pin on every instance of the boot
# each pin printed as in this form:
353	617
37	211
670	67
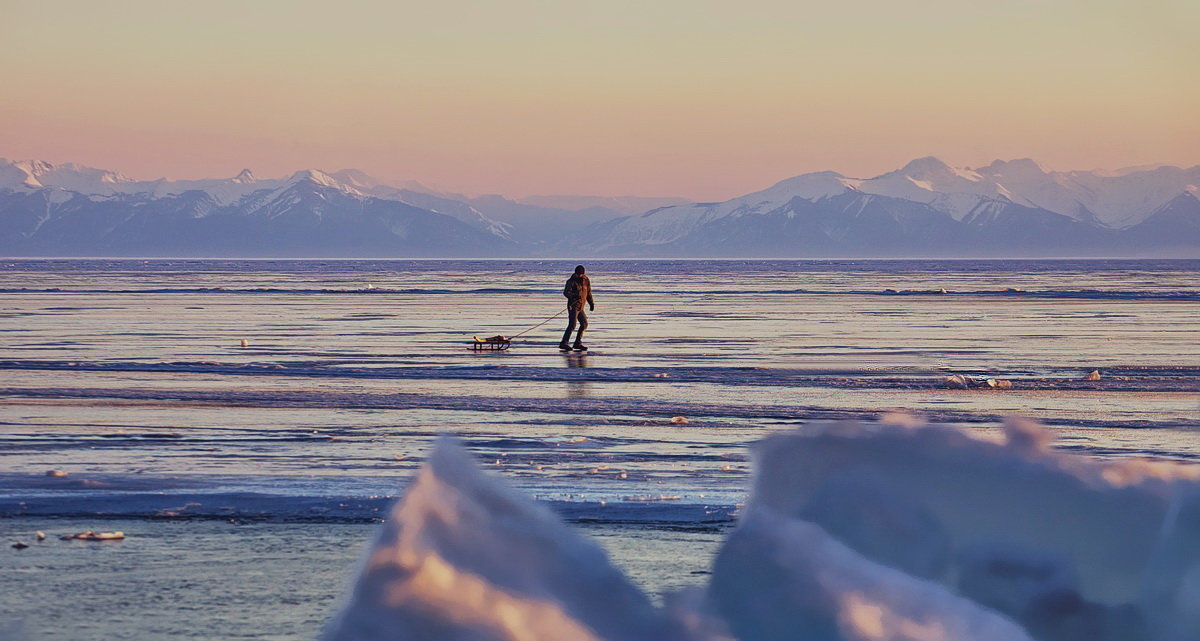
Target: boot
580	347
564	346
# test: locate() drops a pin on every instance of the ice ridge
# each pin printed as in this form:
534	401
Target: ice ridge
852	533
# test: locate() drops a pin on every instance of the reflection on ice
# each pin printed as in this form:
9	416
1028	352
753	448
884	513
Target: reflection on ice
577	388
855	533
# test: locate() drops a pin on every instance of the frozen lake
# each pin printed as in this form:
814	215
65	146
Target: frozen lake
248	478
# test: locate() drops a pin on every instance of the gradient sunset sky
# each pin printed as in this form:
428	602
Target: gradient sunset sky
704	100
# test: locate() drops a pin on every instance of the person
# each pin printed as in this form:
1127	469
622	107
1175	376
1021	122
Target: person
577	290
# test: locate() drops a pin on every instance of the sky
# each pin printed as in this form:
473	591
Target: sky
704	100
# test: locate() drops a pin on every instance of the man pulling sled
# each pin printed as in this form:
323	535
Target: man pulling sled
577	290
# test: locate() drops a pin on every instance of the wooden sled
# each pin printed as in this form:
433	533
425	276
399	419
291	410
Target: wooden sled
491	343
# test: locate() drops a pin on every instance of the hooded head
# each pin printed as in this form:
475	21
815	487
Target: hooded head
579	270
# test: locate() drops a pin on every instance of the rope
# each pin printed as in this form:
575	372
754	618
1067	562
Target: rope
560	313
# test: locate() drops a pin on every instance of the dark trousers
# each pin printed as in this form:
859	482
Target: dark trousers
575	315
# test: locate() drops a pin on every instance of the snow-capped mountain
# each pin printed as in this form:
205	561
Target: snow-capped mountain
72	210
1174	225
34	175
1006	208
1116	200
38	174
35	196
927	207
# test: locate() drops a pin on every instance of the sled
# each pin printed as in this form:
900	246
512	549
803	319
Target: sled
491	343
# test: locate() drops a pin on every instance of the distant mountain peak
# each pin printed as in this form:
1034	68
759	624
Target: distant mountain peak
1027	166
310	174
35	167
925	165
36	174
312	178
827	174
811	186
929	172
316	176
104	175
245	177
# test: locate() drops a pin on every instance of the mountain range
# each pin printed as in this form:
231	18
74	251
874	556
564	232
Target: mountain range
926	208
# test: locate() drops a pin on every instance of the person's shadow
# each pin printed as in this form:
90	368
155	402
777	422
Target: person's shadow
577	388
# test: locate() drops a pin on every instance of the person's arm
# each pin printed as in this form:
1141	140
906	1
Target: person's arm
591	303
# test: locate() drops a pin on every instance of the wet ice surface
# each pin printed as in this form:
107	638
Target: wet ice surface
129	376
211	579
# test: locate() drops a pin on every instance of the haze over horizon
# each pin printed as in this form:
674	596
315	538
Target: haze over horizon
702	102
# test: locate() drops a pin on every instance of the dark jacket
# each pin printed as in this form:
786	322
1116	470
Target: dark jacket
578	290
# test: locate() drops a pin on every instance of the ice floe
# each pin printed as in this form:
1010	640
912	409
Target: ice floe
852	533
466	557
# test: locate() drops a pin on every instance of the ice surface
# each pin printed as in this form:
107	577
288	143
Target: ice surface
294	433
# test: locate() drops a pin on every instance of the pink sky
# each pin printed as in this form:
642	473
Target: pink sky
700	100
